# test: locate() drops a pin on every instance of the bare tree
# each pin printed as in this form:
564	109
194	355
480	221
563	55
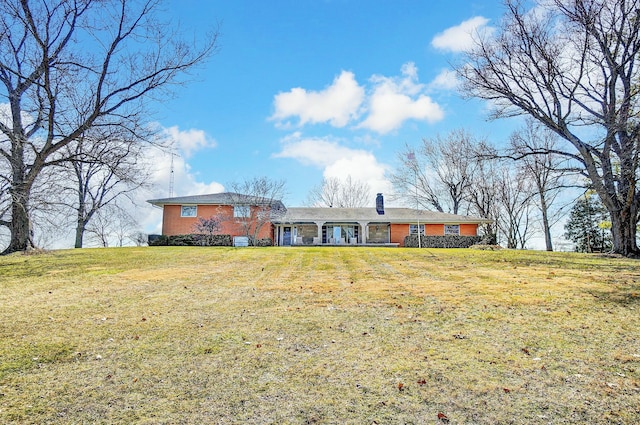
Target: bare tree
139	238
484	191
70	65
334	192
256	202
453	163
49	218
534	147
208	227
439	173
102	167
110	224
573	66
100	228
514	203
414	182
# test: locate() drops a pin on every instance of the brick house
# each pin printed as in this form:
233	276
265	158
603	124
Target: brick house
241	215
310	226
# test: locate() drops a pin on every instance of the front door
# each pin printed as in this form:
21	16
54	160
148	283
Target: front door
286	236
337	234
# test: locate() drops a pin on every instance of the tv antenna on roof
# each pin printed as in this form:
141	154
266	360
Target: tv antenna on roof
171	177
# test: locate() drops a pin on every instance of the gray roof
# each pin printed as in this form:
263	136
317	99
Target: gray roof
336	215
391	215
224	198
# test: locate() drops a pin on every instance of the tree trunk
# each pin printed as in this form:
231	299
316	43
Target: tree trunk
79	232
545	223
21	238
81	224
623	232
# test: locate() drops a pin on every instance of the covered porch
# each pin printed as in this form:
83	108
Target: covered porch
320	233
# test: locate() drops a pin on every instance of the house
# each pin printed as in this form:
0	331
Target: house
241	215
311	226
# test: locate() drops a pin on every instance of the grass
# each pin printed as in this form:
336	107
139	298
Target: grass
318	335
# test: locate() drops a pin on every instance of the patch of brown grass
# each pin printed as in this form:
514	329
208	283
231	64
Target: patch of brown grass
318	335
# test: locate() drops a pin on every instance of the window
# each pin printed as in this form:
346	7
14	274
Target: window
451	229
241	211
413	229
188	211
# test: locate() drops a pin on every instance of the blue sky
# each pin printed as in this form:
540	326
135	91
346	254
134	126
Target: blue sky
302	90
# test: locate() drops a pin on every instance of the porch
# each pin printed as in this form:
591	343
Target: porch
322	233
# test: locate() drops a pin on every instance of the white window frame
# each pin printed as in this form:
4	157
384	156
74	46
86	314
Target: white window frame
452	229
413	229
188	210
242	211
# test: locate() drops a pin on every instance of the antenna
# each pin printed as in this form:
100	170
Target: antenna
171	177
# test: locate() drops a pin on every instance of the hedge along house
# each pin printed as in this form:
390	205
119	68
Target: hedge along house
240	215
365	226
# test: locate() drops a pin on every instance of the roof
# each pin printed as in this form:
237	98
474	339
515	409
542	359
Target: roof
325	214
391	215
224	198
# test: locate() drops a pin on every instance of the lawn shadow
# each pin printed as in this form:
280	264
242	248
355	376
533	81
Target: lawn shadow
629	295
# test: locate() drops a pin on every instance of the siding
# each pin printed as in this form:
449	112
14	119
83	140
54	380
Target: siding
468	230
174	224
434	230
398	233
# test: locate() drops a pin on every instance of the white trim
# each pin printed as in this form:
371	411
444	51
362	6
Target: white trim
245	210
416	227
451	227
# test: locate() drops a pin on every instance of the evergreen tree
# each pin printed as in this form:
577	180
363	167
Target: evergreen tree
588	225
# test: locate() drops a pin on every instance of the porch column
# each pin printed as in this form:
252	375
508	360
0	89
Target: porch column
364	225
319	224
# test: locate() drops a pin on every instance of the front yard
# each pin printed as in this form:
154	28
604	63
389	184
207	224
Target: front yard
318	335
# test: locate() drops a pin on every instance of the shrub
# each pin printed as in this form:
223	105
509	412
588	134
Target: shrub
184	240
489	239
447	241
263	242
158	240
191	240
221	240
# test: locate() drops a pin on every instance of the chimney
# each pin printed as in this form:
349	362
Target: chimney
380	204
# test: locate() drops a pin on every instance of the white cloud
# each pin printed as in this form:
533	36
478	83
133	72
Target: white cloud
185	182
389	103
188	141
162	164
336	160
6	116
460	38
337	104
317	151
445	80
364	167
397	99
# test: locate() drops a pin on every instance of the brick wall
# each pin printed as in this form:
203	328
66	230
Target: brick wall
400	231
468	230
174	224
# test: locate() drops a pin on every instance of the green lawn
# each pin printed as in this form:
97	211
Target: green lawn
181	335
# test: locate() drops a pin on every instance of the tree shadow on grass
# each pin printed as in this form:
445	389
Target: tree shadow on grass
627	295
